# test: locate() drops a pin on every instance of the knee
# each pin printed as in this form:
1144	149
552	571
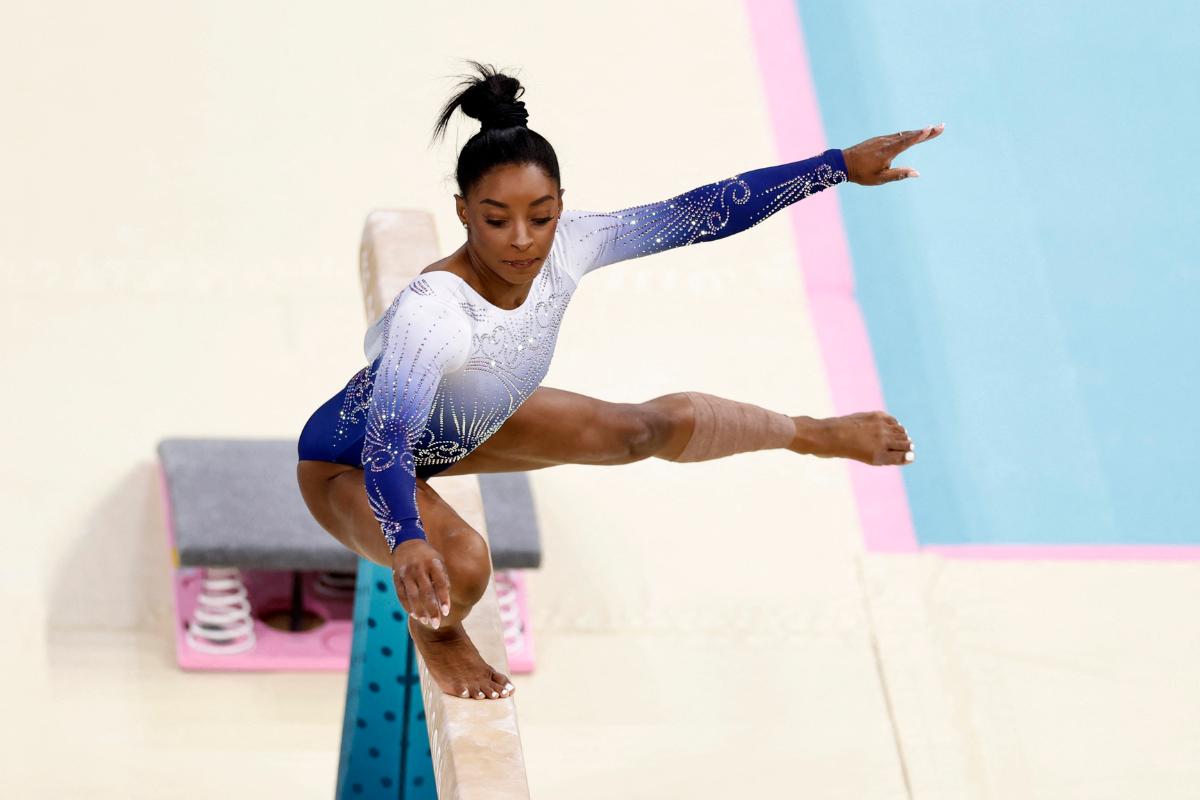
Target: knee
468	563
659	424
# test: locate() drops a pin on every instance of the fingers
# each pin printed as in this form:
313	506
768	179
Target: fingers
427	605
441	587
417	588
906	139
898	174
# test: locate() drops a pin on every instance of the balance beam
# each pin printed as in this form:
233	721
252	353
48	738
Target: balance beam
471	748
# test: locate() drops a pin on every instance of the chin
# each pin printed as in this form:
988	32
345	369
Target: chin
523	272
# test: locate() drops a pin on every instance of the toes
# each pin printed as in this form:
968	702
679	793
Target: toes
503	684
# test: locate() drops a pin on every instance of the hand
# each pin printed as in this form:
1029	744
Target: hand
422	583
869	163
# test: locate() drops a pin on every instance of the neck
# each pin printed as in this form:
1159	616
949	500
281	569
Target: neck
491	286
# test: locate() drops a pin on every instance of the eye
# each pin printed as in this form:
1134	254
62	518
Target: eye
543	221
496	223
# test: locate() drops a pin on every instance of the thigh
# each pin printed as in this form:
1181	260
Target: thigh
336	495
554	426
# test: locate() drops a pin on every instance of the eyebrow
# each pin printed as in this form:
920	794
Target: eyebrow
539	201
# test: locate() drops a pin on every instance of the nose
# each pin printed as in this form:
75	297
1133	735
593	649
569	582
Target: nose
522	237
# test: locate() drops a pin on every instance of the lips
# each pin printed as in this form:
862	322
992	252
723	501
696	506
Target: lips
522	264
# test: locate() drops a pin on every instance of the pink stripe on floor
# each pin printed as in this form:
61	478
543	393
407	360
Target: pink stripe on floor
1069	552
824	256
825	262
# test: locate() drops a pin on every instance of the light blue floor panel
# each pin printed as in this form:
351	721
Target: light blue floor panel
1033	300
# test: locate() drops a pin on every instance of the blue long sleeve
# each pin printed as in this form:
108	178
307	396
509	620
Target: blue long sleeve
713	211
423	339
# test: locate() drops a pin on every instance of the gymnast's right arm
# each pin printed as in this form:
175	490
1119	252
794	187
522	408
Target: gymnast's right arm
424	338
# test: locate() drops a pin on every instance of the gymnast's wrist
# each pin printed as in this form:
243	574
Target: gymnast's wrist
836	159
397	533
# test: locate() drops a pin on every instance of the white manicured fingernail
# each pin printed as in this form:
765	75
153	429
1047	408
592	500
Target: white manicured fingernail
437	623
909	456
914	174
445	609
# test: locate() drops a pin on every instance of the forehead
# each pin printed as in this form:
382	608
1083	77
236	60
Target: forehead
515	185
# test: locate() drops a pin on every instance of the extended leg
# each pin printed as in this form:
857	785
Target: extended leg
560	427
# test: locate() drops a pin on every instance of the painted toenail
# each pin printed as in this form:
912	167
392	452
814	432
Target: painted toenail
509	686
495	694
464	693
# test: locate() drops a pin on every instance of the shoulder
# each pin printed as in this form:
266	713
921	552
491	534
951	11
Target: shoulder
439	285
581	237
431	303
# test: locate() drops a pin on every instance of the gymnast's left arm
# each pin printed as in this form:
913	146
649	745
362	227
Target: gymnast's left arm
716	210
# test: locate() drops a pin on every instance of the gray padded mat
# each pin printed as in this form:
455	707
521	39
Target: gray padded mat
235	502
511	520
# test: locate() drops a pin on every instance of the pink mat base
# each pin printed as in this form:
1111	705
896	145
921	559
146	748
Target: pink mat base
521	659
324	648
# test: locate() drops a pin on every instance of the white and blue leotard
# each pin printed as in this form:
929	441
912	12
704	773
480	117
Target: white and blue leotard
446	368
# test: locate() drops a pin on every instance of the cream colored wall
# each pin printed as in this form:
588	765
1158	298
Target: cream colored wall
187	187
184	191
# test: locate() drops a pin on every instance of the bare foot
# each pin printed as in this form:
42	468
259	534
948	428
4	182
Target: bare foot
871	437
456	665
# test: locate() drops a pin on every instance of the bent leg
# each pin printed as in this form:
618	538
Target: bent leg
336	496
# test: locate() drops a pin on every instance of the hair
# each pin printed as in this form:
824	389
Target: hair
503	138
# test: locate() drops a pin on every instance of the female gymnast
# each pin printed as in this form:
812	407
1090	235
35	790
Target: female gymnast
454	366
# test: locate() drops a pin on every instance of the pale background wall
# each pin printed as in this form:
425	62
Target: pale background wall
185	187
181	196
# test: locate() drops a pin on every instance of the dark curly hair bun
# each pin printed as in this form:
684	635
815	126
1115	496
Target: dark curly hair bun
504	137
493	100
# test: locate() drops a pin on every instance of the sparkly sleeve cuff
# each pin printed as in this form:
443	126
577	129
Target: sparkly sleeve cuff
837	159
396	532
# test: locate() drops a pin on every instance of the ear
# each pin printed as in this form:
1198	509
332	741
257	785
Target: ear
460	208
561	207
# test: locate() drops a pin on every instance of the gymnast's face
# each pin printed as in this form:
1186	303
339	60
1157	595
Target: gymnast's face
511	214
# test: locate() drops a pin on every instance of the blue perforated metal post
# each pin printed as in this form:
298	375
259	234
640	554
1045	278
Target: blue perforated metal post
385	744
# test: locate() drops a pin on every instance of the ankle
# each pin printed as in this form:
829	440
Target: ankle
442	633
812	436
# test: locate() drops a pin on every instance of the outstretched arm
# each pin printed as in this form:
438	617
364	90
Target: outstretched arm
591	240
